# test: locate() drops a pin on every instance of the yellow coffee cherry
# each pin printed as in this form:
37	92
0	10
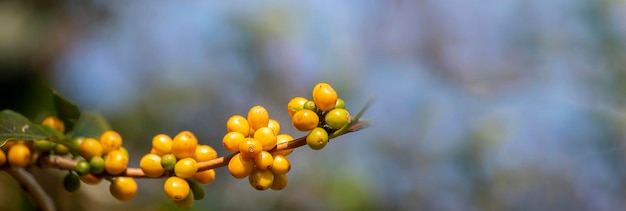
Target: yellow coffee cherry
115	162
150	164
258	117
55	123
90	147
280	165
184	145
324	96
280	181
274	125
232	140
266	136
305	120
283	138
3	158
186	168
176	188
123	188
205	177
90	179
261	179
250	147
239	167
239	124
263	160
295	105
162	144
19	155
205	153
110	140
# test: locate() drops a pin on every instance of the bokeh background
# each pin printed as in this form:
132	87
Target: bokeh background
480	105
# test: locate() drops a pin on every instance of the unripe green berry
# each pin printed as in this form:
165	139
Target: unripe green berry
96	165
317	138
168	161
337	118
82	167
71	182
43	145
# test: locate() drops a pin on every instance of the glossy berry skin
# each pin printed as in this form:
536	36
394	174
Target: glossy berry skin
184	145
239	167
337	118
96	165
3	158
43	145
176	188
90	179
274	125
82	167
239	124
186	203
205	153
123	188
168	161
266	136
71	182
317	138
232	140
280	165
310	105
340	103
295	105
261	179
61	149
150	164
19	155
55	123
258	117
283	138
205	177
162	144
305	120
197	191
249	148
91	148
110	140
280	181
186	168
263	160
324	96
115	162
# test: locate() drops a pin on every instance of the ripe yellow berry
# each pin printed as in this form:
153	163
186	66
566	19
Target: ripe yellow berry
232	140
150	164
266	136
185	203
280	165
123	188
280	181
295	105
263	160
239	124
55	123
19	155
186	168
239	167
90	147
250	147
184	145
283	138
317	138
305	120
90	179
205	177
258	117
324	96
176	188
261	179
115	162
162	144
3	158
110	140
274	125
204	153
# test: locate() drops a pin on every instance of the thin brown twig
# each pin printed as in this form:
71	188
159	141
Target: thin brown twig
70	164
30	185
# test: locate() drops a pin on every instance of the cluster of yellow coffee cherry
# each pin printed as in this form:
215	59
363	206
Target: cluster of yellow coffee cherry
251	138
178	160
325	113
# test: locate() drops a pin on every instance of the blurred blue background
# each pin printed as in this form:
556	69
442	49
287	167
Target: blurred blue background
480	105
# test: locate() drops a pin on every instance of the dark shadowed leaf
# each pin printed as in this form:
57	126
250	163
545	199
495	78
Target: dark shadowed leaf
66	111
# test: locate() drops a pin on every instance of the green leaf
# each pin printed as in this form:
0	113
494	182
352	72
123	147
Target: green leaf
90	125
14	126
66	111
